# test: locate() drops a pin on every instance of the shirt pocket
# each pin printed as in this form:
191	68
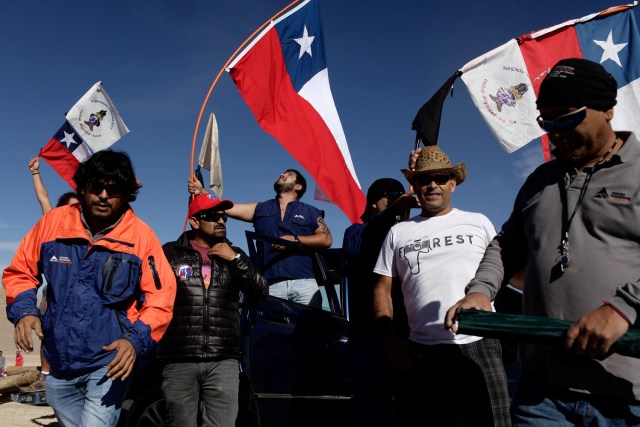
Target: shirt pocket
118	278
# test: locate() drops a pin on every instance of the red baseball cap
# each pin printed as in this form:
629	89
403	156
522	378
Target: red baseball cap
206	202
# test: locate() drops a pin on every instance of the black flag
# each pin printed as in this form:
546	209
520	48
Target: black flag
427	121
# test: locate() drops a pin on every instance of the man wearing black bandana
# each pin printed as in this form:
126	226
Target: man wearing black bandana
575	227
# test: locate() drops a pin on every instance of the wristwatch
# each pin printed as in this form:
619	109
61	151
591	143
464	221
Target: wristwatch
296	240
237	257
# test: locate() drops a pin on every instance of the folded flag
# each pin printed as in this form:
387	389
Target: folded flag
91	125
504	82
533	329
209	157
282	76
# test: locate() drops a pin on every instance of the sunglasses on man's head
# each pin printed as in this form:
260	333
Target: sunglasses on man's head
438	178
212	216
564	122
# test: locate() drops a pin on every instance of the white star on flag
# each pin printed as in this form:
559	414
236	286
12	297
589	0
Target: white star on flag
305	43
610	49
68	139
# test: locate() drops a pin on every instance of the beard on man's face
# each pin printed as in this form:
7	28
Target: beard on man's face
283	187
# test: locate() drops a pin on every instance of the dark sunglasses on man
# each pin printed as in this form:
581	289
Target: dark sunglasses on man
392	196
438	178
564	122
211	216
97	187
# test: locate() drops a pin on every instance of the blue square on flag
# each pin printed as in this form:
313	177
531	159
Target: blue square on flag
302	45
68	137
614	43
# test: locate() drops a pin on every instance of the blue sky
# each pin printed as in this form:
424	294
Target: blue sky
157	60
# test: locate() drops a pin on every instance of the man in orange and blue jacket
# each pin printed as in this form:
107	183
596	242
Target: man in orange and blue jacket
110	297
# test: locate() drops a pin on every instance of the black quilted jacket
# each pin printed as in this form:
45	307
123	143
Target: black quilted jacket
206	322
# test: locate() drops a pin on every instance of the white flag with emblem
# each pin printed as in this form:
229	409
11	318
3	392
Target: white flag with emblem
96	119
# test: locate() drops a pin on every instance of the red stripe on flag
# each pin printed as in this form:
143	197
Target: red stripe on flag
61	160
546	148
262	79
542	53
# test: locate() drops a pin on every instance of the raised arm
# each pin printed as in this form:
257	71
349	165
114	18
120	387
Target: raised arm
240	211
38	185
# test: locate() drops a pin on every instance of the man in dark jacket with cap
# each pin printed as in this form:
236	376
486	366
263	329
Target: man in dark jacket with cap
387	204
575	226
201	347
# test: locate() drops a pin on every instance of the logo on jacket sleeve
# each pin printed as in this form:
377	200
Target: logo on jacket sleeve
184	272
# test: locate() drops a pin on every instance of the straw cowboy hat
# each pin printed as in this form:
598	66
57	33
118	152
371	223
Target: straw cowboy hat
432	160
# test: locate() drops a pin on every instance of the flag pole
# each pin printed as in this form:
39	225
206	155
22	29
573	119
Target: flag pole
215	81
206	99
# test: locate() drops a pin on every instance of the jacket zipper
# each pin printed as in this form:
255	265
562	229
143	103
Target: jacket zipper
154	272
109	286
205	321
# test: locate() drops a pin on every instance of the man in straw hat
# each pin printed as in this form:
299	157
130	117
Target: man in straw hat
433	256
575	226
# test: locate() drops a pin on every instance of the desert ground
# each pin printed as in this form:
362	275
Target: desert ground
13	414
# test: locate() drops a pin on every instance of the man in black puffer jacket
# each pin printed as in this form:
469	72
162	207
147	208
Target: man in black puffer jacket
201	347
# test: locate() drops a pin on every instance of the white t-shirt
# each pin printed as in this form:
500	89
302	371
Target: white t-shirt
435	258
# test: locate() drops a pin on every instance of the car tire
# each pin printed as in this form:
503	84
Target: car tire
148	410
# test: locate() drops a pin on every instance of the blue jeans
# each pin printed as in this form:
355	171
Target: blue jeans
215	384
534	404
89	400
303	291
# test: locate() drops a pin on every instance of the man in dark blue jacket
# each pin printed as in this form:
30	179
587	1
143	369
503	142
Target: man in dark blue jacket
387	204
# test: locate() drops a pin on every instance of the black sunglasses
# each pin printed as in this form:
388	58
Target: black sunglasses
439	179
112	189
392	196
212	216
564	122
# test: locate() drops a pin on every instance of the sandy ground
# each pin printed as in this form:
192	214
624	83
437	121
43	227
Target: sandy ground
13	414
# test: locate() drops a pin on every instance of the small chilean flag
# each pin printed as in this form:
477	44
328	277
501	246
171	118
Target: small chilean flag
92	124
504	83
282	76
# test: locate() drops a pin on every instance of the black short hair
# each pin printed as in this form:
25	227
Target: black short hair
64	199
108	165
299	180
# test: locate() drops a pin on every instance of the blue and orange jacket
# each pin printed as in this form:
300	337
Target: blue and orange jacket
120	286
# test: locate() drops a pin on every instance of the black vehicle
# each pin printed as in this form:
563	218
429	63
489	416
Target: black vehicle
295	366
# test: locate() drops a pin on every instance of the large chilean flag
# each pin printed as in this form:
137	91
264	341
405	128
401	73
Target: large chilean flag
504	83
282	76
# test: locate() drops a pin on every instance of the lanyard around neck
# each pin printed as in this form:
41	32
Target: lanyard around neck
564	260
